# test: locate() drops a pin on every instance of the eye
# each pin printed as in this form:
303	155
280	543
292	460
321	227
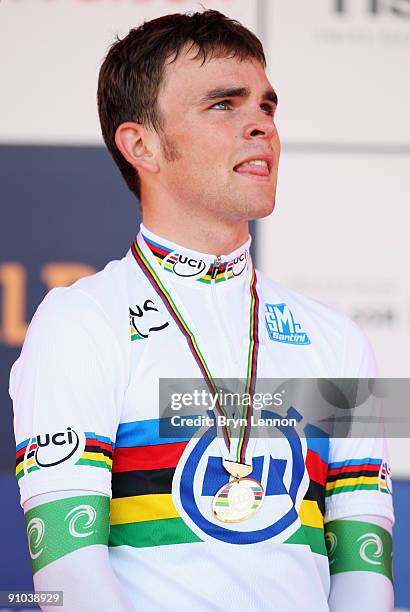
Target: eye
268	109
224	103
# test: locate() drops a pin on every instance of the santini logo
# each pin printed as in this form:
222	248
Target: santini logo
282	327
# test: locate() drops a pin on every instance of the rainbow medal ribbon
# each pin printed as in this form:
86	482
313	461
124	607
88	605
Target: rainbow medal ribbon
241	497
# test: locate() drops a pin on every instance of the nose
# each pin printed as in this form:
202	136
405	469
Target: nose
262	128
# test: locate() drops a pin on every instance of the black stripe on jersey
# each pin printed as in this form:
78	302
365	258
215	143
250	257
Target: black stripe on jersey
31	453
316	493
157	252
90	448
142	482
342	475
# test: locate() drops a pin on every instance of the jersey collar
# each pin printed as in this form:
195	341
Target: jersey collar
196	268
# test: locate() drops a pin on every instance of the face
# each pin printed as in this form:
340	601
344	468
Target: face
218	149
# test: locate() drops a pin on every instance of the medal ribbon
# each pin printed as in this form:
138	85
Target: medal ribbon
251	373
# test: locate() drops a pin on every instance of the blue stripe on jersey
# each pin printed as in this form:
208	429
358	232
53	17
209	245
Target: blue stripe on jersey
22	444
147	433
92	434
317	441
337	464
160	246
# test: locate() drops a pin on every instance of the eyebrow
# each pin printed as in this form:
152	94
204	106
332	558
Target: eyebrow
236	92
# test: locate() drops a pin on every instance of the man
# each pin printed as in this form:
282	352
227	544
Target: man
206	521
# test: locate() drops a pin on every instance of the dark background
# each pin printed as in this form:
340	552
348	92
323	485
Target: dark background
69	204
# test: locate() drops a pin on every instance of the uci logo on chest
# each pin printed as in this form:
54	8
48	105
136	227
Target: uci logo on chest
278	464
146	319
186	266
50	449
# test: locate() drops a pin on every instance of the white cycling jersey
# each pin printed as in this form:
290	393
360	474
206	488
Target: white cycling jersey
85	391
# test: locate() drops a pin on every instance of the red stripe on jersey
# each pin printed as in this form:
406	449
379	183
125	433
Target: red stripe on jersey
156	249
94	442
355	468
20	452
316	467
147	457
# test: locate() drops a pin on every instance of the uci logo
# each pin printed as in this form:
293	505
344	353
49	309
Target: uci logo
53	449
237	265
145	319
189	266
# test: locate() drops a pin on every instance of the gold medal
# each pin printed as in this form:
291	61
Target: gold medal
237	470
238	500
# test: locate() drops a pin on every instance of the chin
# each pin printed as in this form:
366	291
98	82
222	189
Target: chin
262	209
259	203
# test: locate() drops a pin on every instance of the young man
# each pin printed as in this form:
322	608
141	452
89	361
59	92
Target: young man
204	522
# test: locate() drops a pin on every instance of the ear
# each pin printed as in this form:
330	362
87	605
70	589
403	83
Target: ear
134	142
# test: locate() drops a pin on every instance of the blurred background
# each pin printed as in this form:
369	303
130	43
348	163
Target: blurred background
340	231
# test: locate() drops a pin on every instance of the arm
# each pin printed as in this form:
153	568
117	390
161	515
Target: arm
68	544
359	509
360	561
67	388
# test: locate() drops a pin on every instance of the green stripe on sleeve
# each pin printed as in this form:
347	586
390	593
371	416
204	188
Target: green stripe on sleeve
59	527
348	488
357	546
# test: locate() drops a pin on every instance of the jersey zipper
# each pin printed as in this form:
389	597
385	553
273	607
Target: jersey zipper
234	372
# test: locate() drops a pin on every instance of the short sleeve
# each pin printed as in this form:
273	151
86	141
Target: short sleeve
359	480
66	388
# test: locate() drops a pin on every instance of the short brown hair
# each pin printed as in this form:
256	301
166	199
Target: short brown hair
131	74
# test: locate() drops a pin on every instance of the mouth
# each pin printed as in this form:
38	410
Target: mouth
258	166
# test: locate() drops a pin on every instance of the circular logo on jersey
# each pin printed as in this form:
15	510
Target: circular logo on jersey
51	449
237	265
186	266
278	464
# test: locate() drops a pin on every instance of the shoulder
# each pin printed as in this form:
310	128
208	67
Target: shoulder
98	296
79	328
325	326
92	312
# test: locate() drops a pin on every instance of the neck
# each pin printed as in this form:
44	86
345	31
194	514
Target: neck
216	238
